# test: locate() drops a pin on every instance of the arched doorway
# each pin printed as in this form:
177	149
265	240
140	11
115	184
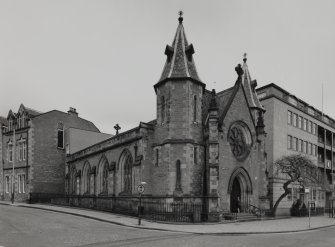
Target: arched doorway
235	197
239	189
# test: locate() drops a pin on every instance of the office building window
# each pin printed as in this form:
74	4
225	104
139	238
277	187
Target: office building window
309	148
305	124
299	122
294	121
299	145
309	126
314	129
305	147
294	144
289	117
289	142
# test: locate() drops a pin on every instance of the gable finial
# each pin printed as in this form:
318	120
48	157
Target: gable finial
245	57
180	19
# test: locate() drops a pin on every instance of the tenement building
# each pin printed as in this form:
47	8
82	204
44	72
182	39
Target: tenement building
201	144
292	127
33	147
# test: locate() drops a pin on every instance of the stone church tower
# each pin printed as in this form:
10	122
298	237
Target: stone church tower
178	148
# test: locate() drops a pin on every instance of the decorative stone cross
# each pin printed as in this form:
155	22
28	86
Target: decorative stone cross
117	128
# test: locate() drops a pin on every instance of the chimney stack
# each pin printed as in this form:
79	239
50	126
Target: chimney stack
72	111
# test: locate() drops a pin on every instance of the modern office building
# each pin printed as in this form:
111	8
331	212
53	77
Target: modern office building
294	126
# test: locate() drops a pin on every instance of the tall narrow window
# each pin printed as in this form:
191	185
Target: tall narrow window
24	148
195	155
157	156
289	142
294	144
299	145
163	109
10	152
178	175
309	126
23	183
78	185
195	108
300	122
7	184
20	151
305	124
105	179
60	135
19	182
314	129
294	121
289	117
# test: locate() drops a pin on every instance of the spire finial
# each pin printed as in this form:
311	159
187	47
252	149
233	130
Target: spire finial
245	57
180	19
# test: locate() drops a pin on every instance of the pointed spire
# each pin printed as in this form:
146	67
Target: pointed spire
249	85
179	62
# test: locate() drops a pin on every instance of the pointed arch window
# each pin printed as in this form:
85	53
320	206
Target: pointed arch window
73	181
86	178
105	179
195	102
126	165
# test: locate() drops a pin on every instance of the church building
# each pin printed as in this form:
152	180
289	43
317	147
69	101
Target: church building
202	144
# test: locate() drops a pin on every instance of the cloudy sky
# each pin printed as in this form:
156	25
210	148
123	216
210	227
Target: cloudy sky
103	57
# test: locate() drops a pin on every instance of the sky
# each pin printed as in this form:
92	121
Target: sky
103	57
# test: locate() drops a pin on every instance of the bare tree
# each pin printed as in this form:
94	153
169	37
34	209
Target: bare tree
297	168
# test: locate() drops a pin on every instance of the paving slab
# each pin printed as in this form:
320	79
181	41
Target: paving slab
294	224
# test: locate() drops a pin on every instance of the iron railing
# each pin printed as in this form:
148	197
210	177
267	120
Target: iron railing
252	209
173	209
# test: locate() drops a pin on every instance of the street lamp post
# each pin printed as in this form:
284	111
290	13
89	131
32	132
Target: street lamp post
13	167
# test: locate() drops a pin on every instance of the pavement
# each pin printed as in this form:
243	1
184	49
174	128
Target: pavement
287	225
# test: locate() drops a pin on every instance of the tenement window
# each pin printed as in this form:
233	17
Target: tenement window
60	135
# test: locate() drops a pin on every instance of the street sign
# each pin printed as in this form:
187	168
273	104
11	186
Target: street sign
140	189
306	190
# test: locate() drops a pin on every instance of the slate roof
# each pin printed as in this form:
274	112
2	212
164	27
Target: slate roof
179	62
249	87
